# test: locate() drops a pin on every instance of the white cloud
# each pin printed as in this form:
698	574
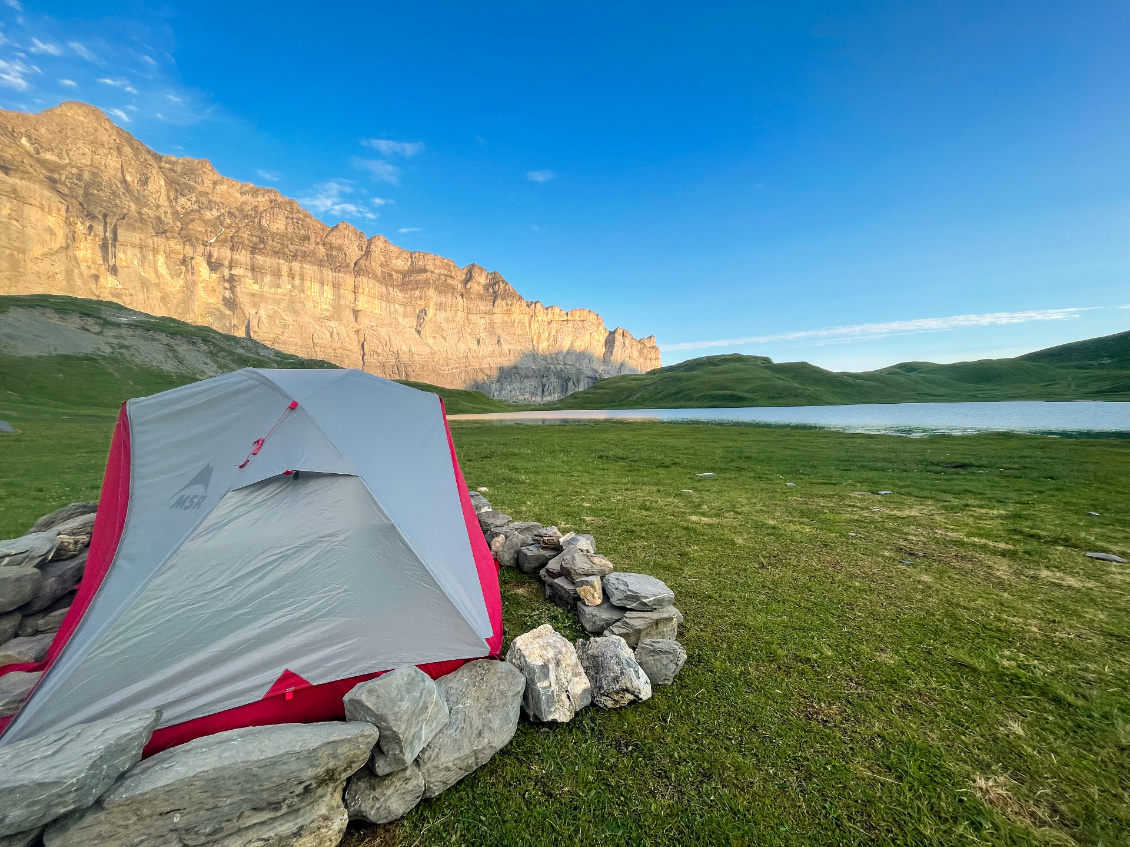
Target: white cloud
81	50
405	229
120	82
270	176
70	83
174	98
379	169
120	115
540	176
878	330
15	4
48	49
13	74
386	147
329	198
149	60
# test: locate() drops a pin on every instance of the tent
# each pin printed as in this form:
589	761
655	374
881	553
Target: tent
265	540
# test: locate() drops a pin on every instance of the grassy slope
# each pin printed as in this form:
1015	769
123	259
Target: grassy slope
1097	369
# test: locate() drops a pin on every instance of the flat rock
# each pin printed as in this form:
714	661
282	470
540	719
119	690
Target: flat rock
39	623
575	562
58	579
580	540
492	520
74	535
21	839
485	700
29	551
407	707
661	659
14	688
556	686
74	510
616	677
380	799
512	538
9	625
589	590
534	557
32	648
562	593
18	585
262	785
596	619
634	627
638	591
479	502
46	777
1107	557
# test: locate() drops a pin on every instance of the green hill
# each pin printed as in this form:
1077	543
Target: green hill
1096	369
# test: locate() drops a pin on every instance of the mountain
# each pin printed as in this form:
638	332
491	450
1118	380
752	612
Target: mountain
1096	369
65	354
91	212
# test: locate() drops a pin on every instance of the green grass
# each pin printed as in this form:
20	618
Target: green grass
833	694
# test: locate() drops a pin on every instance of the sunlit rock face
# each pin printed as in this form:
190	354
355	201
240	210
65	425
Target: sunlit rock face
89	211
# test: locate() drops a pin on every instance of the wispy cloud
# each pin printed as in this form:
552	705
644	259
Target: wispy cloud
385	147
15	4
878	330
342	197
540	176
405	229
45	48
81	51
120	115
15	74
270	176
70	83
379	169
120	82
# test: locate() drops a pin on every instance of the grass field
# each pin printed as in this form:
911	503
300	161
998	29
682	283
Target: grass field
937	666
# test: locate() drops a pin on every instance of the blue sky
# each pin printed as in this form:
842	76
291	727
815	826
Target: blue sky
848	184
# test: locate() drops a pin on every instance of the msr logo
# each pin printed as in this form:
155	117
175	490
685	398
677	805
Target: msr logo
194	492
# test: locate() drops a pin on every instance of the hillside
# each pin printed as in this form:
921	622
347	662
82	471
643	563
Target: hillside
1095	369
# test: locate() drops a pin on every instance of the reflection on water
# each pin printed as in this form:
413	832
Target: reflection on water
913	419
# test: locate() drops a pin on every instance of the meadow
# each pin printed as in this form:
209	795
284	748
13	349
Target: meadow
941	665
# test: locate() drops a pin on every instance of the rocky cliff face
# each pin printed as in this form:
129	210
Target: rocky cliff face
89	211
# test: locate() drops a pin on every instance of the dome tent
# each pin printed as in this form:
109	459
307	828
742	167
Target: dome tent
265	540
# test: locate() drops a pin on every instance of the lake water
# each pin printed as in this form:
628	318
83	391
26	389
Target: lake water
913	419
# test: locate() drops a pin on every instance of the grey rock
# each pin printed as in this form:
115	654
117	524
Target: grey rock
552	570
263	785
492	520
74	536
28	551
581	540
575	562
21	839
512	538
634	627
534	557
32	648
40	623
407	707
705	475
637	591
9	625
589	590
17	586
46	777
1107	557
562	593
884	492
556	686
58	579
661	659
380	799
790	485
479	502
485	701
14	688
616	677
59	516
1094	515
596	619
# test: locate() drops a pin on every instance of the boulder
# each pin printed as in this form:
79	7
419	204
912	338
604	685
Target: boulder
549	536
58	579
9	625
48	621
534	557
616	677
575	562
638	591
634	627
508	540
552	570
18	585
74	536
596	619
581	540
380	799
46	777
21	839
556	686
14	688
1106	557
492	520
261	785
485	700
479	502
74	510
562	593
661	659
32	648
589	590
408	709
28	551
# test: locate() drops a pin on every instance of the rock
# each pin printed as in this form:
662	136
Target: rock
661	659
552	570
1107	557
637	626
59	516
47	621
28	551
485	701
74	536
492	520
549	536
408	709
262	785
581	540
21	651
562	593
46	777
589	590
637	591
556	686
534	557
512	538
479	502
14	688
482	489
21	839
380	799
58	579
705	475
1094	515
616	677
686	491
884	492
596	619
575	562
9	626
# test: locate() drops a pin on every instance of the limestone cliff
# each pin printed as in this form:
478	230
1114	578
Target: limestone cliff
88	210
